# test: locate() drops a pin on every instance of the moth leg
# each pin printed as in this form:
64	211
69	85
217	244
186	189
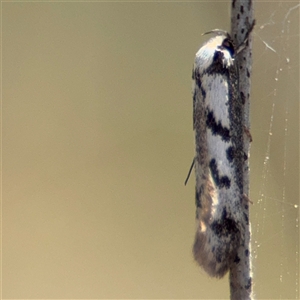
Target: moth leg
248	133
246	198
190	171
243	45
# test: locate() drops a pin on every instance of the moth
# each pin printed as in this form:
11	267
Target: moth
217	123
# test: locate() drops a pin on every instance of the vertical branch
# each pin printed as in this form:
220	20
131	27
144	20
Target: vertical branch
240	272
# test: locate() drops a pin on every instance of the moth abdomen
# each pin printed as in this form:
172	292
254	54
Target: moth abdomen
215	248
217	229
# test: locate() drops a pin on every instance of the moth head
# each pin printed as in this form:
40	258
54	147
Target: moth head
219	49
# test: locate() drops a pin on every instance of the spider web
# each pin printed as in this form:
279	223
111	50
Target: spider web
275	113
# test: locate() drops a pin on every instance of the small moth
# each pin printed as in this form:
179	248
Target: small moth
217	123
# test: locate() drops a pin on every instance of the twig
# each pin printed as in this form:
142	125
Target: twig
240	273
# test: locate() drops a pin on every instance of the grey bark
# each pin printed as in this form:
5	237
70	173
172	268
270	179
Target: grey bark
240	275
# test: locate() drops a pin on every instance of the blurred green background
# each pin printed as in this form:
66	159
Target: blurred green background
97	140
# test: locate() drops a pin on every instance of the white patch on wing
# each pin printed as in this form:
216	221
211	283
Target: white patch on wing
216	98
217	150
